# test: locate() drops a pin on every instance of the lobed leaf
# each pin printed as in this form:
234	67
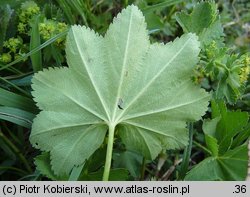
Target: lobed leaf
227	161
231	166
204	21
120	80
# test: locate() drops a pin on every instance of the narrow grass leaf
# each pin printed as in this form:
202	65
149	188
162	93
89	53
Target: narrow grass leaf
161	5
35	41
5	17
67	11
17	116
11	99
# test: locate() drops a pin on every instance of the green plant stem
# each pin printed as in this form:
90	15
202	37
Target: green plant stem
16	87
19	171
14	138
17	152
109	152
187	153
143	168
220	65
202	147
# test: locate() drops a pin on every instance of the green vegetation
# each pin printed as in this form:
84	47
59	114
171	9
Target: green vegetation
104	100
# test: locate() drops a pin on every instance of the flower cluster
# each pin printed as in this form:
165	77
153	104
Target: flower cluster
14	48
27	11
245	69
199	74
5	58
212	50
13	44
50	28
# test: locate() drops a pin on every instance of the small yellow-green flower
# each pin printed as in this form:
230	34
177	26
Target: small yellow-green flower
50	28
47	29
245	70
28	9
199	74
21	27
5	58
61	27
246	60
13	44
211	50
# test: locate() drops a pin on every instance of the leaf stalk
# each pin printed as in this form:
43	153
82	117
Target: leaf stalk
109	152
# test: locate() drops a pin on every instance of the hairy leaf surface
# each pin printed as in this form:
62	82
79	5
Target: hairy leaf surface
121	80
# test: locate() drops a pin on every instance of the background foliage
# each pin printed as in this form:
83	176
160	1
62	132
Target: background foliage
32	37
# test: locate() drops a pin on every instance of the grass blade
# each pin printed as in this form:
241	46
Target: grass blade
16	151
5	17
161	5
67	11
16	116
187	154
15	86
10	99
79	7
21	80
36	58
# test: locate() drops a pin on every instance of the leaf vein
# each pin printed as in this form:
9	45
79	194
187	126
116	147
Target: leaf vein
153	79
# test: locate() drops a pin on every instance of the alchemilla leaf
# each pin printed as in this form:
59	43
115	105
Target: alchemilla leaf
204	21
119	82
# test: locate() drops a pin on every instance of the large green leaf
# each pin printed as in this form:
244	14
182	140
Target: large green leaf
129	160
230	124
42	163
121	83
230	166
202	16
227	161
204	21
